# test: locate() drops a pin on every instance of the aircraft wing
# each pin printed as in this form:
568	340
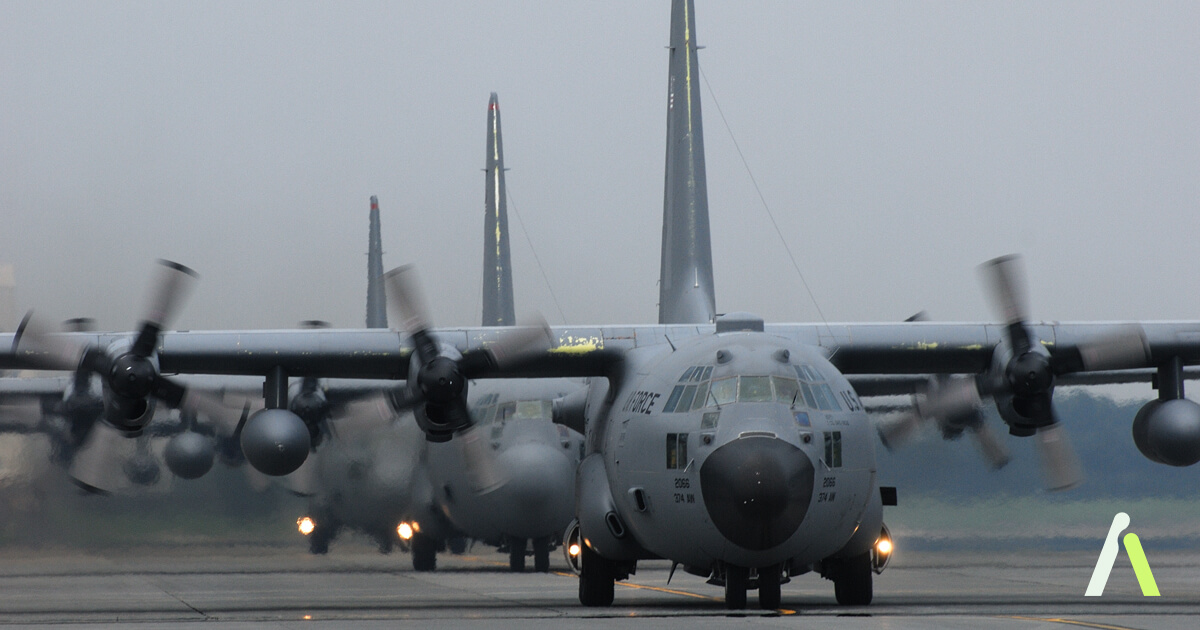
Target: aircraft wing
903	348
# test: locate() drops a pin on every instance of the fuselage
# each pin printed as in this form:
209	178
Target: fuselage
740	448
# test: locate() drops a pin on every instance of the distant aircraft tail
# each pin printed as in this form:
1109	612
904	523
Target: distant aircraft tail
497	263
686	294
376	303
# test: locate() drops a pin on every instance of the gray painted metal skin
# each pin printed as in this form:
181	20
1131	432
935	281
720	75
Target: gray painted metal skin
854	348
696	519
686	280
497	263
535	458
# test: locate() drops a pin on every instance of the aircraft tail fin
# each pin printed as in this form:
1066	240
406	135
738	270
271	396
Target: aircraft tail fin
497	262
376	302
686	294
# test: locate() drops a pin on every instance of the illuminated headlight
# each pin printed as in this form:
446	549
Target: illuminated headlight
405	531
881	553
574	550
305	525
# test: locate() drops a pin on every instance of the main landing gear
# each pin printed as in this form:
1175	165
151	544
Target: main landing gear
596	578
516	554
737	582
851	579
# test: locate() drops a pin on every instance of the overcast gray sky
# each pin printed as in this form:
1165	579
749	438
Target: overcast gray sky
898	145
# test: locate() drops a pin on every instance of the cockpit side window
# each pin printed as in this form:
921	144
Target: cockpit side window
787	390
723	390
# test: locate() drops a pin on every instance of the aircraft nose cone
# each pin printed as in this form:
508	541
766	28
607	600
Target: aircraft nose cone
757	490
538	496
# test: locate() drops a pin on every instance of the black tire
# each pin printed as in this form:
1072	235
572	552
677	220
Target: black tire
595	579
322	535
737	579
852	581
424	553
768	587
541	555
516	554
457	545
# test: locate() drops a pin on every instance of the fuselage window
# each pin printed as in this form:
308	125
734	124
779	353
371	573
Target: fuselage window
677	451
833	449
709	421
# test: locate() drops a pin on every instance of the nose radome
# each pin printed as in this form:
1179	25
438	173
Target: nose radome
539	489
757	490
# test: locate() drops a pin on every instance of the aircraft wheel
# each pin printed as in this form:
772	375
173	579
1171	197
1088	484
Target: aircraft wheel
595	579
457	545
768	587
321	536
516	554
541	555
424	552
737	579
852	581
385	544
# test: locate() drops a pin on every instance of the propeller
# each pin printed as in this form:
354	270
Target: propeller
129	372
1022	378
953	404
438	379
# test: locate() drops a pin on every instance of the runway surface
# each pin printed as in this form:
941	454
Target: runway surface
355	587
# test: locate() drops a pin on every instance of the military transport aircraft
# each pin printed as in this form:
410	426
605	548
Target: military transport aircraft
738	449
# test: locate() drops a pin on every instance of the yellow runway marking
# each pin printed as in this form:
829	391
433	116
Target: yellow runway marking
668	590
1072	622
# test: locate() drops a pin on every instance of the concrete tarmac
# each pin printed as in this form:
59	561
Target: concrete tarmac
355	587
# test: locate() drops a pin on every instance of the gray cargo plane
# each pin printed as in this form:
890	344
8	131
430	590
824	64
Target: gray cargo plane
737	449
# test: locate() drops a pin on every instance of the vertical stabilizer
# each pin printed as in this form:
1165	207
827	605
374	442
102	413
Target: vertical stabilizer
686	293
376	305
497	264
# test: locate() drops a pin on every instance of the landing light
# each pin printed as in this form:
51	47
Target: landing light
574	549
881	553
305	525
405	531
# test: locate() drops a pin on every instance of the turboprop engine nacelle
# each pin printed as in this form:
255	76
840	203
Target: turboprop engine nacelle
275	441
1168	431
128	414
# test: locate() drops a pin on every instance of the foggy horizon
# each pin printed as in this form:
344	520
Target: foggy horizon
897	145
